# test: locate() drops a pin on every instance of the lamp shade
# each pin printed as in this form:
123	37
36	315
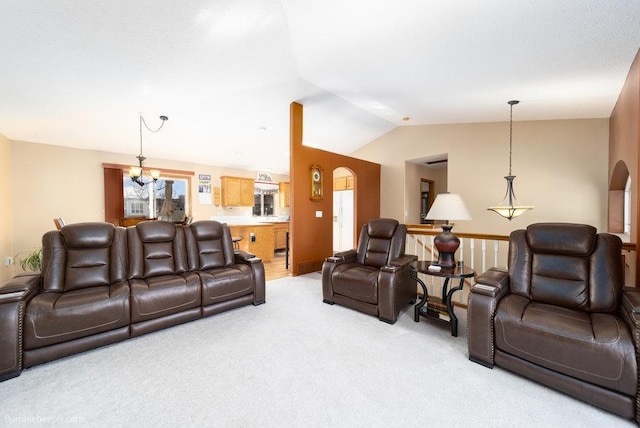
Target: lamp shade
448	206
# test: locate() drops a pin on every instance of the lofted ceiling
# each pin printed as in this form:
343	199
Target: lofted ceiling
78	73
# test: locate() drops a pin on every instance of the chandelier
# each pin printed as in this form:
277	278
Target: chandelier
509	207
135	172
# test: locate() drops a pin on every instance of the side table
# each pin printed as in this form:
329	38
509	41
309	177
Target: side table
440	309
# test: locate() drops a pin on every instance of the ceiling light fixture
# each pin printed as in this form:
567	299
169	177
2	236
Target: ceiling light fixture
509	207
135	172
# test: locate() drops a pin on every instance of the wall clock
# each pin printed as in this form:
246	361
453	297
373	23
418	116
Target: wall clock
316	182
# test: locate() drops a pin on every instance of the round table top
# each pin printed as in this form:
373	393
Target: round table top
460	271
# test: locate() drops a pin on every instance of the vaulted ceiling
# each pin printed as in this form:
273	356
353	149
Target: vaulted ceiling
78	73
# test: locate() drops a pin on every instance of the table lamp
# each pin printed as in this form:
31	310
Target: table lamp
447	206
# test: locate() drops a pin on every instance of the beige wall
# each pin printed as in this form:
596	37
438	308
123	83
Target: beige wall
50	181
6	231
560	165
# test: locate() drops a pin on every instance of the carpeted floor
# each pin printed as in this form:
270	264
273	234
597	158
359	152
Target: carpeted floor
291	362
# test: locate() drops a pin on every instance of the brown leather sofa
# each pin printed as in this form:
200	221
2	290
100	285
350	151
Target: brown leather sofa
374	278
102	284
560	315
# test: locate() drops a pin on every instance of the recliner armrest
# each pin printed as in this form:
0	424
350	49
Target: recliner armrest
492	282
246	257
343	256
20	287
489	288
403	261
631	304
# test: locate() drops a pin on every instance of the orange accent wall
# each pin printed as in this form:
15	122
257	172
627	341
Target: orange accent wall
311	237
624	139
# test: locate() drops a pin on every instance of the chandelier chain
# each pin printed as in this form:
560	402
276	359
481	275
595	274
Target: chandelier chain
511	104
142	121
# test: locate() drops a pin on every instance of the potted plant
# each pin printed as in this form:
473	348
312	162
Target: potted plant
32	261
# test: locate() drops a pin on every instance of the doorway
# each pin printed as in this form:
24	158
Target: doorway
343	209
427	195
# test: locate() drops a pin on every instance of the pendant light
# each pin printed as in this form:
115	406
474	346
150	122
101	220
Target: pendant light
509	207
135	172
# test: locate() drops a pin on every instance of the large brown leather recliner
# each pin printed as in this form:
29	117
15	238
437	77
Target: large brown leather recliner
222	273
163	291
101	284
560	315
374	278
84	299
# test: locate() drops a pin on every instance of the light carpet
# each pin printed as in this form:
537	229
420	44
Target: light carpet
291	362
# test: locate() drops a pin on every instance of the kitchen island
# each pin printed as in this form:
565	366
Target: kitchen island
259	238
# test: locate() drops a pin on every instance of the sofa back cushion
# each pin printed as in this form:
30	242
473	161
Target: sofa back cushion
209	245
381	240
156	248
83	255
568	265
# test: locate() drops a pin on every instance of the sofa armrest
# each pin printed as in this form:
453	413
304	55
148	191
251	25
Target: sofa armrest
14	296
631	306
489	288
258	277
20	288
246	257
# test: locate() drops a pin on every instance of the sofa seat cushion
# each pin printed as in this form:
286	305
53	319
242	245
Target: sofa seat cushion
163	295
228	283
56	317
356	282
594	347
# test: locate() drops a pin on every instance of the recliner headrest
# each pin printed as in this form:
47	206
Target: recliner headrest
87	235
207	230
562	238
156	231
382	228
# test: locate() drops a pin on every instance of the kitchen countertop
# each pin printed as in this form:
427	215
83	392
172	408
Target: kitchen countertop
250	221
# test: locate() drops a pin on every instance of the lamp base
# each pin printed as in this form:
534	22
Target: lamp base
447	244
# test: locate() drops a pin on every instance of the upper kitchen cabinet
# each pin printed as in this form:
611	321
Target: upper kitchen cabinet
237	191
283	192
343	183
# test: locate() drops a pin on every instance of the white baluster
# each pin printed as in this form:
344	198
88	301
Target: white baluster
484	255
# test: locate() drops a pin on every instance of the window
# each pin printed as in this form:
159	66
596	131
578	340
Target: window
136	208
166	199
263	204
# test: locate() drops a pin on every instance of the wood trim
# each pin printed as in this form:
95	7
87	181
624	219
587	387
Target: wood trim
415	229
113	196
146	168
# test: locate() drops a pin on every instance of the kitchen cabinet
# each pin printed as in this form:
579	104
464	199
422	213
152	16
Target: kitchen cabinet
237	191
280	235
283	192
343	183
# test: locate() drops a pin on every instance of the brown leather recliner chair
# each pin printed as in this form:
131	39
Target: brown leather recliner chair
84	301
229	279
560	315
163	290
374	278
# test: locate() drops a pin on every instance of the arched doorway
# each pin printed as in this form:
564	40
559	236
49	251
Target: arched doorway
619	200
343	209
